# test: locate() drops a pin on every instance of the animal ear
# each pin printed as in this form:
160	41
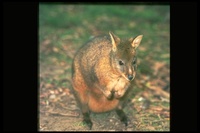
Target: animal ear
136	41
115	41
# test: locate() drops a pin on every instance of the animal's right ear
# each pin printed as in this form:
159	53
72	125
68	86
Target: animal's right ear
115	41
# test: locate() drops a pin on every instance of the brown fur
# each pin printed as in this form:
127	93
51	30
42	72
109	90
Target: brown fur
103	70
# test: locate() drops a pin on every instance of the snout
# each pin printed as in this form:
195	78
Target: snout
130	77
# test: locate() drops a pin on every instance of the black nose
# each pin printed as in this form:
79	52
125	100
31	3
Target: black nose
130	77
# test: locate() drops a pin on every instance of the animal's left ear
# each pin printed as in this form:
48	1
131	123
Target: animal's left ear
136	41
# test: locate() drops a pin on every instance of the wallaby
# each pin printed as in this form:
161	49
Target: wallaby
102	74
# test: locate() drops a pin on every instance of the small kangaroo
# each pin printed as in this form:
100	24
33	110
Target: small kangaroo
102	75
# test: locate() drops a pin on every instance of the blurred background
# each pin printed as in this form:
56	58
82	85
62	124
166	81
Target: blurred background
64	28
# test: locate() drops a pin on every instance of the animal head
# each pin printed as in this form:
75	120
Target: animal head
123	55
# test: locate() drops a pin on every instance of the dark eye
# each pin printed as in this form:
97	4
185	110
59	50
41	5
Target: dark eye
134	61
121	62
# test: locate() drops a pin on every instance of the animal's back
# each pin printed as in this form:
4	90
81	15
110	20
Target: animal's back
89	55
92	51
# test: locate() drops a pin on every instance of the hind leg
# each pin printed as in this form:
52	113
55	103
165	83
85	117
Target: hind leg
85	111
81	96
87	120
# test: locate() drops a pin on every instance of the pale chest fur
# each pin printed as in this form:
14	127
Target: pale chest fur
99	103
118	84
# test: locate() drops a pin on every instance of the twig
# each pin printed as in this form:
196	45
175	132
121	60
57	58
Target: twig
63	106
57	113
138	125
159	121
